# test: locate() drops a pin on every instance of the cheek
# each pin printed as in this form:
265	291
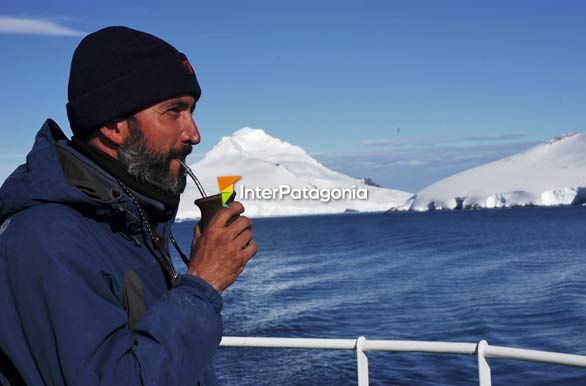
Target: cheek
162	143
172	141
164	135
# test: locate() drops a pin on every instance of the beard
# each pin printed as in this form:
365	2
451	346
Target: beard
148	166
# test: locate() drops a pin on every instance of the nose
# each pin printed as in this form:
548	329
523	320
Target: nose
190	134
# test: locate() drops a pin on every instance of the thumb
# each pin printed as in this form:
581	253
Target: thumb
196	236
197	232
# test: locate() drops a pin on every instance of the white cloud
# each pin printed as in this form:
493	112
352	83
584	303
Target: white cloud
495	138
410	162
405	141
419	141
29	26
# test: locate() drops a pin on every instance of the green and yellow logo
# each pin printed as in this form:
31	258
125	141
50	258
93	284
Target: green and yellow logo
226	184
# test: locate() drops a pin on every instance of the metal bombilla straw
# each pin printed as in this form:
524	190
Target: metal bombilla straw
199	186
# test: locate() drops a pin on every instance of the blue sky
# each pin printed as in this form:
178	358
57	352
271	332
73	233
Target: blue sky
405	92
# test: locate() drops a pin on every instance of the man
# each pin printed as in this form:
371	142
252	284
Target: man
89	295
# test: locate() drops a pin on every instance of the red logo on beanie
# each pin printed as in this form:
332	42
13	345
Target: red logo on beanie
188	67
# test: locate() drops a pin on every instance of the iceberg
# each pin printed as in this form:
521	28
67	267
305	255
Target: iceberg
549	174
266	162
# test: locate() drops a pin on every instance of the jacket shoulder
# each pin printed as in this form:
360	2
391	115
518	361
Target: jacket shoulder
44	219
47	232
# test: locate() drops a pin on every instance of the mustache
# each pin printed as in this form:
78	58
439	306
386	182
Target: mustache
182	152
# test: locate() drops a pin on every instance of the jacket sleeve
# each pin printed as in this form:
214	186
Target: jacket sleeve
76	327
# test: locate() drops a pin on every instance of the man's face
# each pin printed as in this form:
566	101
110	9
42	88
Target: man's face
158	137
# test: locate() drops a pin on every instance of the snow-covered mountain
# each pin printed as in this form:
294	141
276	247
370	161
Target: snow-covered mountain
266	162
553	173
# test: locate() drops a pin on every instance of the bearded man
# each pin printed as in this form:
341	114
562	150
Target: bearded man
89	294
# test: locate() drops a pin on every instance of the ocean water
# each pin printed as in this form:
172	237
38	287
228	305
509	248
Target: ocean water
515	277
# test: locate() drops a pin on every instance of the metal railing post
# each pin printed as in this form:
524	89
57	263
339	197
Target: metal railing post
484	377
362	362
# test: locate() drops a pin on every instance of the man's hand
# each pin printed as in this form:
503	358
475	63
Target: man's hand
219	254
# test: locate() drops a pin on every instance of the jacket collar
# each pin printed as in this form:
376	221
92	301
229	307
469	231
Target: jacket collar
56	172
114	168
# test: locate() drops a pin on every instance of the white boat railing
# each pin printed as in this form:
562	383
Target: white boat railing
361	345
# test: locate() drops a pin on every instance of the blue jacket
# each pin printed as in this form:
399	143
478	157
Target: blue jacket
83	299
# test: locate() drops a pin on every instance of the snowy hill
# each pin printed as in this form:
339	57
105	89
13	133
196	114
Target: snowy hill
553	173
267	162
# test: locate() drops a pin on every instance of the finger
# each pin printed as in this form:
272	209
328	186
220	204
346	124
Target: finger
224	214
232	219
243	239
246	254
250	249
239	225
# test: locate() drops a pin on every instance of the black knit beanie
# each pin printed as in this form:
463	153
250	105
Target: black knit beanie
118	71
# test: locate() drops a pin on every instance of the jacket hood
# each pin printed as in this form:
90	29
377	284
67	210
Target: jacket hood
54	172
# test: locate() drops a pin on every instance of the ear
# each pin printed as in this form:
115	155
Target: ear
116	132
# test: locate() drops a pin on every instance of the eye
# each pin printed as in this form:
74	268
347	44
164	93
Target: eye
173	112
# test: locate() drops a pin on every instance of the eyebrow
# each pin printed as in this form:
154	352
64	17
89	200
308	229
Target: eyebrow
179	103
